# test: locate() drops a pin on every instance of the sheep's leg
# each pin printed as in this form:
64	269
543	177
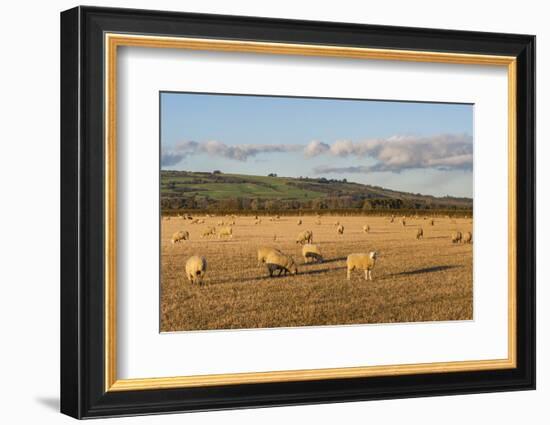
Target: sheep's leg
349	274
370	274
366	275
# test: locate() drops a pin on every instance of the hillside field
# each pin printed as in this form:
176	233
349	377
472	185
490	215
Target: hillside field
414	280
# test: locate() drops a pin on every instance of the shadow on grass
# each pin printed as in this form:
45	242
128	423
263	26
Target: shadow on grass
424	270
325	261
246	280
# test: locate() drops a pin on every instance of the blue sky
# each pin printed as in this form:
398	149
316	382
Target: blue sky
410	146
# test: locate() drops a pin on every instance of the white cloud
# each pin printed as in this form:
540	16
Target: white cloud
314	148
398	153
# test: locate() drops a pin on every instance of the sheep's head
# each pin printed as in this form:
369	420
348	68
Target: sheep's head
374	255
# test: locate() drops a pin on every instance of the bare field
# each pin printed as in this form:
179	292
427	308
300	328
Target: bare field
430	279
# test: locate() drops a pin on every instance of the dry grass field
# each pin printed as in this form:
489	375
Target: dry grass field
414	280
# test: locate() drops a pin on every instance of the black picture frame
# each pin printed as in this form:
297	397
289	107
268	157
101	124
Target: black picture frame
82	212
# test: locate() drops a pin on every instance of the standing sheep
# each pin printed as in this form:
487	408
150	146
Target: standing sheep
456	237
311	253
362	261
305	236
281	262
432	222
225	231
366	228
179	236
195	268
340	229
211	231
403	222
420	233
264	251
299	222
467	238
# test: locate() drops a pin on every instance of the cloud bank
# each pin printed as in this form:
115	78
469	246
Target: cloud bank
215	148
393	154
399	153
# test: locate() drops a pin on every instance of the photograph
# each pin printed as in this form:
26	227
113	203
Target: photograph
283	211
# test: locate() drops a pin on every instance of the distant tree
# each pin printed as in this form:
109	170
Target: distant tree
216	172
272	175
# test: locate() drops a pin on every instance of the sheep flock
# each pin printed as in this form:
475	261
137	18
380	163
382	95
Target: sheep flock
279	258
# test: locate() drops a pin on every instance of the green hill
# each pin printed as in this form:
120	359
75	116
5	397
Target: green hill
184	190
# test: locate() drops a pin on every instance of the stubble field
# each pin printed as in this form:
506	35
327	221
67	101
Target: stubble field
430	279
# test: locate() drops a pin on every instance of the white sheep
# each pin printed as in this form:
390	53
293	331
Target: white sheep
264	251
311	253
467	238
181	235
225	231
419	233
366	228
456	237
340	229
403	222
211	231
258	221
305	236
362	261
195	269
281	262
299	222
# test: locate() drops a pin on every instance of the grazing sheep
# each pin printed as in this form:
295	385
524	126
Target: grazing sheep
255	217
467	238
281	262
311	253
337	223
299	222
221	223
195	268
195	221
318	222
340	229
403	222
258	221
419	233
277	217
305	236
392	219
366	228
362	261
432	222
179	236
264	251
211	231
225	231
167	218
456	237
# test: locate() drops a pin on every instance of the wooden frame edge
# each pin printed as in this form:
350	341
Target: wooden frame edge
114	40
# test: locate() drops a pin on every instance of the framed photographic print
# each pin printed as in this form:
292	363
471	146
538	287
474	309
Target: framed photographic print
261	212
